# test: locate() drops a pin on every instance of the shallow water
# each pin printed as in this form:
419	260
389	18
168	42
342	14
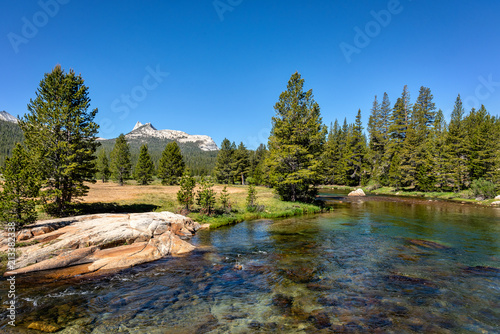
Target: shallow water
373	265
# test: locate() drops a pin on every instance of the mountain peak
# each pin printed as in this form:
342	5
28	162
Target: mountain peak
139	125
145	131
5	116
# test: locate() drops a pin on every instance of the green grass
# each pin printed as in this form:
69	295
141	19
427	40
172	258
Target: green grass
269	207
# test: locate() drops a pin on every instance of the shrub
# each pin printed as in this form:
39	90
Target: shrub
205	197
483	188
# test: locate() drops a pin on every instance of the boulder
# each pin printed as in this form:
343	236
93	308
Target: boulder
495	203
357	193
497	197
106	242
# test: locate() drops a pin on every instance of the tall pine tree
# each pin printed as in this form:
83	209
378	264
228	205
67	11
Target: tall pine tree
171	165
103	169
225	160
144	170
120	160
296	143
60	135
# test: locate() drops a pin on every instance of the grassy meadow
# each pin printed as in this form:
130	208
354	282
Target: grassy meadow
109	197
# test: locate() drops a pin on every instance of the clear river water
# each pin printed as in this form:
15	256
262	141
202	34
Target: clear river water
373	265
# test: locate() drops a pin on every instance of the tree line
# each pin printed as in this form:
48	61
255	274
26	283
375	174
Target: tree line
407	146
119	166
412	147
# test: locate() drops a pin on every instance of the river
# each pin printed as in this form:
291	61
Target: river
373	265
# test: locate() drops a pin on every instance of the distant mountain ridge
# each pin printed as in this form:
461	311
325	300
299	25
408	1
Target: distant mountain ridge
5	116
145	131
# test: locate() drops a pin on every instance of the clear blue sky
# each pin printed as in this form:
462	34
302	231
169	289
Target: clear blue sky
227	66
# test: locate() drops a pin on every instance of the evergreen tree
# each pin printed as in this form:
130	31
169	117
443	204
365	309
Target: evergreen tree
205	197
225	160
224	200
438	154
185	195
20	189
251	198
145	168
120	160
482	142
456	147
60	135
385	115
356	153
331	154
171	164
241	164
397	132
377	140
257	165
295	144
103	170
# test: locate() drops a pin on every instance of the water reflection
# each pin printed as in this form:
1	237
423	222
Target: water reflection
370	266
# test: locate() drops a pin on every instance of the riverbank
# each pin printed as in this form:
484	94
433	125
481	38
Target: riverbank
461	197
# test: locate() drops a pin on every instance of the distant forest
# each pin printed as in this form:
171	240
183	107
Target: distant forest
10	134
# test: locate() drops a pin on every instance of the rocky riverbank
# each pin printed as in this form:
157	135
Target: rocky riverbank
97	244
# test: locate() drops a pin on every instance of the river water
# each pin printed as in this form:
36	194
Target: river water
373	265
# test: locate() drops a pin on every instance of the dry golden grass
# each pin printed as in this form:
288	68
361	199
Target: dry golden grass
112	192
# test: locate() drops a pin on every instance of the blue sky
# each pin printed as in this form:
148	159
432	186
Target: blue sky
218	67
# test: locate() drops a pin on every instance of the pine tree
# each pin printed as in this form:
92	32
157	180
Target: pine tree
171	165
103	170
377	140
60	134
385	115
356	154
331	154
120	160
20	189
456	147
296	143
205	196
241	164
437	151
185	195
144	170
416	157
482	144
397	133
251	198
224	200
257	165
225	160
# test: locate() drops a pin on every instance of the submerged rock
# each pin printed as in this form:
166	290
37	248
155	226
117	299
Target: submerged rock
427	244
357	193
44	327
105	242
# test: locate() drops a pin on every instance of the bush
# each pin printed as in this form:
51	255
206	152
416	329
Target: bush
483	188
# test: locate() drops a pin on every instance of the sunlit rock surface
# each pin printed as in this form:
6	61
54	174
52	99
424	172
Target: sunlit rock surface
103	242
